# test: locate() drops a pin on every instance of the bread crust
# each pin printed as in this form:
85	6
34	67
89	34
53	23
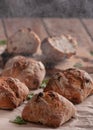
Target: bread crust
23	41
27	70
12	92
52	53
74	84
48	108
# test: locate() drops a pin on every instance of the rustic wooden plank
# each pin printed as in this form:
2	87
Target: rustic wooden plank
2	34
88	23
92	75
2	40
57	26
75	28
12	25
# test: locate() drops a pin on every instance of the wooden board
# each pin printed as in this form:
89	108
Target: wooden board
88	23
2	33
12	25
58	26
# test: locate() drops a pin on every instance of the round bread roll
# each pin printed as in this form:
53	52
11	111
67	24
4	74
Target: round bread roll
58	48
12	92
24	41
48	108
74	84
27	70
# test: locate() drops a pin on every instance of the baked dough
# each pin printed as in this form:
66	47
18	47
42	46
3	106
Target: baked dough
58	48
12	92
27	70
74	84
24	41
48	108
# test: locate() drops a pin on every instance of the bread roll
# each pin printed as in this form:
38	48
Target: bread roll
48	108
27	70
58	48
12	92
74	84
24	41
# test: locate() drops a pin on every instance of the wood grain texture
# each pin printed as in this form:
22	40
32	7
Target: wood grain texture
88	23
12	25
2	33
57	26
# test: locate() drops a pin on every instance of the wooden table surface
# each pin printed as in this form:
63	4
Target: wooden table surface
82	29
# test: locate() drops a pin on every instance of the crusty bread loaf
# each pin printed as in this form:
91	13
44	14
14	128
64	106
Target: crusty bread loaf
48	108
27	70
12	92
58	48
74	84
24	41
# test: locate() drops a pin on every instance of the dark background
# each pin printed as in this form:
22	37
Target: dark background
46	8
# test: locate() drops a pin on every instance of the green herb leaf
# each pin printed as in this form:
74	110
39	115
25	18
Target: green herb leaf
30	96
44	83
78	65
19	121
2	42
91	52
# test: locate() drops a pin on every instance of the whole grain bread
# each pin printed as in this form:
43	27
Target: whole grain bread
58	48
48	108
27	70
24	41
74	84
12	92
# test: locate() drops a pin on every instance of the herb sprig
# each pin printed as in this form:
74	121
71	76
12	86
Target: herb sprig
19	120
91	52
44	83
30	96
2	42
78	65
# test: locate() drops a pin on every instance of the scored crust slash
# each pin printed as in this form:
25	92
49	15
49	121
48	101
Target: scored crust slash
51	109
